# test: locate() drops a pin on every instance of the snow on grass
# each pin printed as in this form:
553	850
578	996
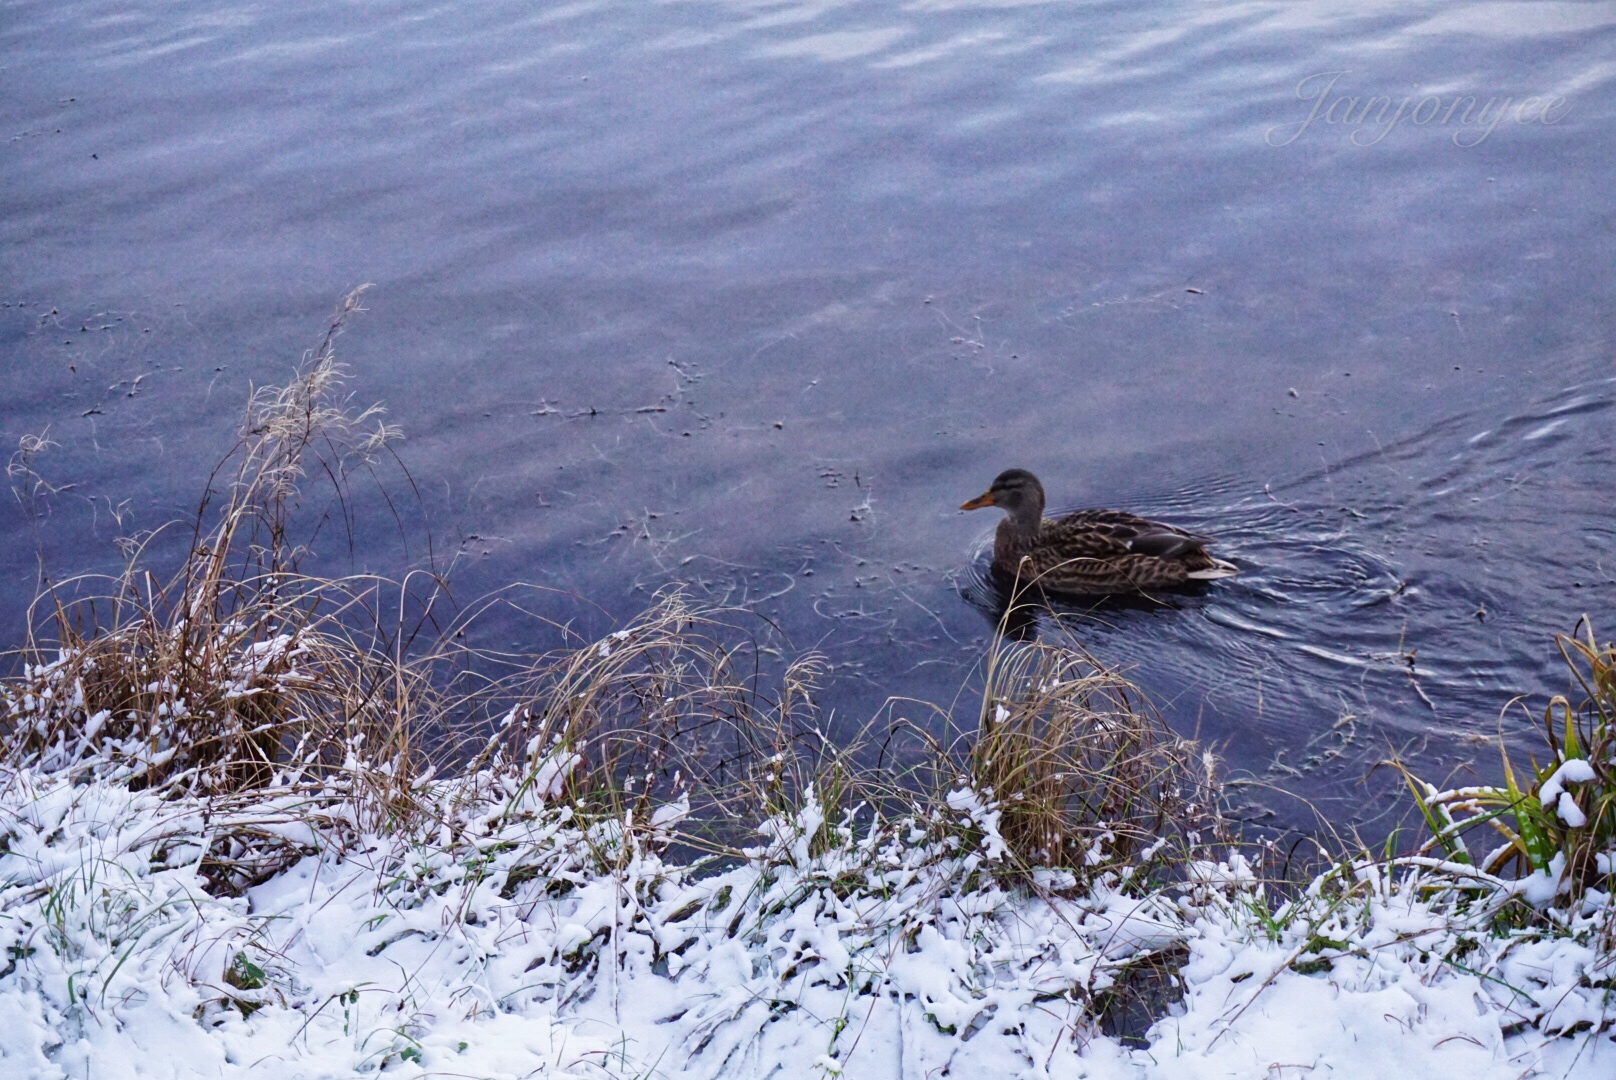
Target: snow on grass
508	939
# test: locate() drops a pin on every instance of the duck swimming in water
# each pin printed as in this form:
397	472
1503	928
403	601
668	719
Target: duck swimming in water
1089	551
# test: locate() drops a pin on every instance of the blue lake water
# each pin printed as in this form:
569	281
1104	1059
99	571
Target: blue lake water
750	296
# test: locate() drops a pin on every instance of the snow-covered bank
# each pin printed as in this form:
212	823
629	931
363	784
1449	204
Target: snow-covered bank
504	941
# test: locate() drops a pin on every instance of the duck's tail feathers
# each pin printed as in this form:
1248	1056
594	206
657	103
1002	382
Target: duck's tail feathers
1218	569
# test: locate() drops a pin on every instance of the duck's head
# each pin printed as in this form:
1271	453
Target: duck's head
1016	491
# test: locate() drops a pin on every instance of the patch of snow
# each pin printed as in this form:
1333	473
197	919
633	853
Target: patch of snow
1570	812
506	940
1575	771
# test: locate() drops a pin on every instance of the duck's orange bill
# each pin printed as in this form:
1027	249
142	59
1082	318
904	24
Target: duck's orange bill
984	499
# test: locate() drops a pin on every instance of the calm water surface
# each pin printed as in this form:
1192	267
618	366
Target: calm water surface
750	296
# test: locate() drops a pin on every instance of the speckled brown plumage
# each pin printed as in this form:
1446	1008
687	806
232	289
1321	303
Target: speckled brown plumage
1089	551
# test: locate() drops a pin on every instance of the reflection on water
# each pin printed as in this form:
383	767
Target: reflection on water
747	296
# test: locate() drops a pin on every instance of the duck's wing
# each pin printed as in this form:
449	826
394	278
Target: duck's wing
1101	533
1104	551
1166	545
1086	534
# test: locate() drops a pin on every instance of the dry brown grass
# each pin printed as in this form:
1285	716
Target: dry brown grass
1086	777
670	710
235	671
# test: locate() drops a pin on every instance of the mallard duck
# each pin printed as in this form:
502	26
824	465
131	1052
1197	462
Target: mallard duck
1089	551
